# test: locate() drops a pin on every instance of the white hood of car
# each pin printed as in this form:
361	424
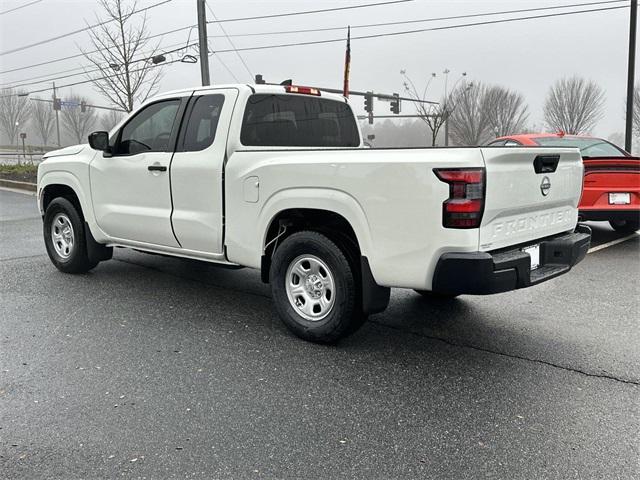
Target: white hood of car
72	150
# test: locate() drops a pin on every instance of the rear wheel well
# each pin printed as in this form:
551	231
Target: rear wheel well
331	224
54	191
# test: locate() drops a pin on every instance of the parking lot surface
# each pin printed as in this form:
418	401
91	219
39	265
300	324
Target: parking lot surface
152	367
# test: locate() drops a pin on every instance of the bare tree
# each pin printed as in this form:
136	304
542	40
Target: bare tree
14	113
124	75
110	119
77	123
468	123
43	118
434	115
574	105
505	111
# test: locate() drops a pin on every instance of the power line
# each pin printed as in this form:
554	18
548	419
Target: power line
70	57
401	32
232	45
217	57
143	57
421	30
180	29
456	17
20	7
90	80
80	30
309	12
423	20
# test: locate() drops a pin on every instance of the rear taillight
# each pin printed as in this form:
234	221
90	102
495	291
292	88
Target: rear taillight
465	205
302	90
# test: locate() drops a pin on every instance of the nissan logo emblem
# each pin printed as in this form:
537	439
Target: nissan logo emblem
545	186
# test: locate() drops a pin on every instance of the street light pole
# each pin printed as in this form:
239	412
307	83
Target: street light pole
633	21
202	38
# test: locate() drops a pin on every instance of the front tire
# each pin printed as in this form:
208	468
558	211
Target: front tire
64	237
316	288
625	226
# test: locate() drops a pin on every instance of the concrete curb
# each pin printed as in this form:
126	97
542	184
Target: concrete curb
30	187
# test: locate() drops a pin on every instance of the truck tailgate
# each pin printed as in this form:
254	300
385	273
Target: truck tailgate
531	193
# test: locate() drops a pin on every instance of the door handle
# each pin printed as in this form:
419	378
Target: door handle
157	168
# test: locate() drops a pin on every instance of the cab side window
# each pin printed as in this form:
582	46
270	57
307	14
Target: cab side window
149	130
203	115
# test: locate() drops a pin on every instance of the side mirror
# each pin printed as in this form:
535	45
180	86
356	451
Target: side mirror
99	141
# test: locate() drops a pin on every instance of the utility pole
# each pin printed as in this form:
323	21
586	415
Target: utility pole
204	49
633	23
57	113
446	107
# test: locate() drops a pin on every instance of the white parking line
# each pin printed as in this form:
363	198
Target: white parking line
612	243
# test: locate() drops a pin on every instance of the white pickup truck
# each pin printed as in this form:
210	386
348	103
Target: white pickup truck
276	178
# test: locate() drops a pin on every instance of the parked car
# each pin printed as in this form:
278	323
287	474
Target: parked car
276	178
611	189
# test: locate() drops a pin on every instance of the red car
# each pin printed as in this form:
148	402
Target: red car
611	189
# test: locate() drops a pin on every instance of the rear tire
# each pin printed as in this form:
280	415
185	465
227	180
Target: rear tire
625	226
64	237
436	296
316	288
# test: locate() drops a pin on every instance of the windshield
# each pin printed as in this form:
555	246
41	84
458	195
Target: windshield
589	147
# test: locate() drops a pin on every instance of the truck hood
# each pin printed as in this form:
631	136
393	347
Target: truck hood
73	150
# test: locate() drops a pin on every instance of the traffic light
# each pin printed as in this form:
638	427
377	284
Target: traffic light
83	106
57	104
368	102
395	104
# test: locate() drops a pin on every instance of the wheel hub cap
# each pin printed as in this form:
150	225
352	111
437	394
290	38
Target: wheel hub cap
310	287
62	236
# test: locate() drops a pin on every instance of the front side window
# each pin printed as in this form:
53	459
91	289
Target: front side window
202	124
149	130
298	121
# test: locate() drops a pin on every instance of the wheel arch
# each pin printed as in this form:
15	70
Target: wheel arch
342	220
63	184
316	205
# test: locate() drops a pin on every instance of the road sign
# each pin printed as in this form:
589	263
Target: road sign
23	136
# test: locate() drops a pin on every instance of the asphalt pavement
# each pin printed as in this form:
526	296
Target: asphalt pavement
153	367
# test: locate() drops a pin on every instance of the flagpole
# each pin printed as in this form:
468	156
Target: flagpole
347	64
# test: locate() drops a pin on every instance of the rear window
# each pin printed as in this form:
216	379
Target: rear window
298	121
589	147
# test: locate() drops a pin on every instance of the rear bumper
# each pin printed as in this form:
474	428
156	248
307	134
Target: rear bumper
484	273
605	215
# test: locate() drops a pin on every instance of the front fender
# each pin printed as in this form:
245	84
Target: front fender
61	177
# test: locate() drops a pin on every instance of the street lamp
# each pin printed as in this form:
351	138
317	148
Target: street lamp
446	73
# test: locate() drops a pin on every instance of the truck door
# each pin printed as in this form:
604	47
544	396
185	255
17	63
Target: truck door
197	170
130	188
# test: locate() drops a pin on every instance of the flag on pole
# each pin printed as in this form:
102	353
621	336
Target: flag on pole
347	64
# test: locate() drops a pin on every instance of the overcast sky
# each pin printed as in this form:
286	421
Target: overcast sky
527	56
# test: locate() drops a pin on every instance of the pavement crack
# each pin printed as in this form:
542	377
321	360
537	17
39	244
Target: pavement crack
26	257
453	343
447	341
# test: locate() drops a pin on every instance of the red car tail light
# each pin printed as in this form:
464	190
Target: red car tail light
465	205
302	90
